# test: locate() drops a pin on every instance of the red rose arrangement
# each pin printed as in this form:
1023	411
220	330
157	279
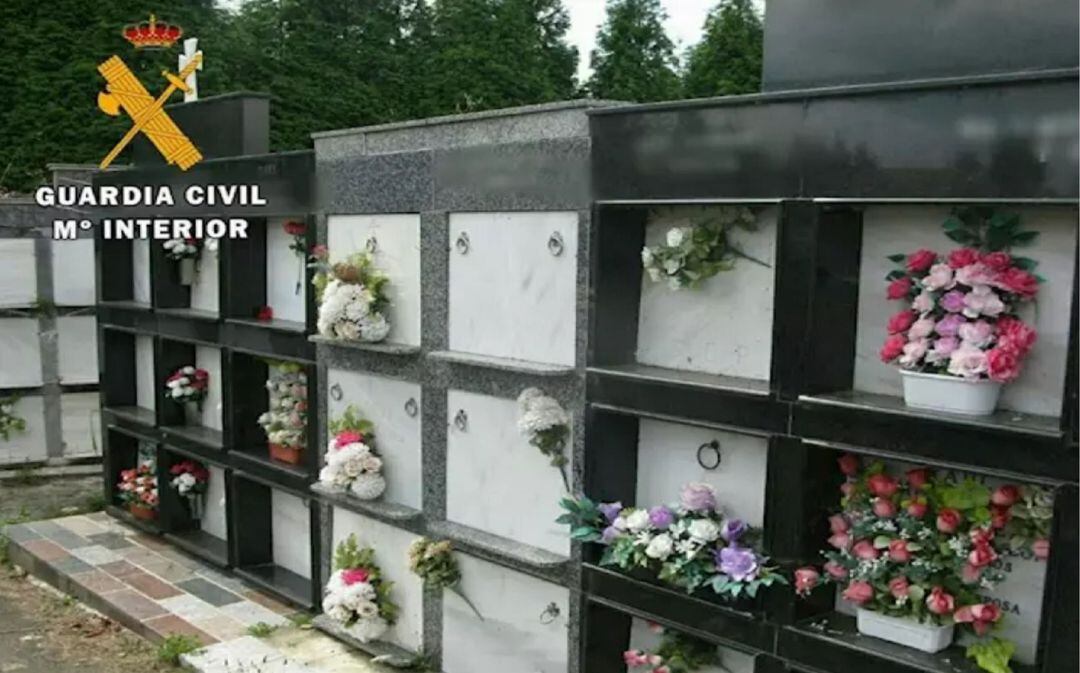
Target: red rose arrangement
922	546
298	231
138	487
960	313
188	384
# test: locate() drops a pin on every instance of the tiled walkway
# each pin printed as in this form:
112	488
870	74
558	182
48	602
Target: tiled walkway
156	591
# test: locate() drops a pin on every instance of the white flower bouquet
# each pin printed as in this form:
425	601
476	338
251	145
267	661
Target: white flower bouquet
352	463
546	424
188	384
285	421
692	254
356	595
352	299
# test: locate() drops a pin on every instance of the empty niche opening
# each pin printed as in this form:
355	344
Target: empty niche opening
489	461
889	230
722	326
393	406
291	534
528	633
269	281
129	386
391	546
273	538
530	312
393	241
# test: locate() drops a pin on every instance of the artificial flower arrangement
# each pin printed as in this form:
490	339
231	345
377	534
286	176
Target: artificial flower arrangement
352	462
691	255
352	297
434	563
189	480
959	338
546	425
9	422
138	491
298	231
285	420
187	252
187	385
356	594
690	545
914	552
676	653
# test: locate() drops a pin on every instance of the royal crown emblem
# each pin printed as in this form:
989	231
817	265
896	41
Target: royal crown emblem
152	34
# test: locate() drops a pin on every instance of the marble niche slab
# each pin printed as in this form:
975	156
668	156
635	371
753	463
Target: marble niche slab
73	274
391	547
20	353
29	445
283	268
394	407
527	634
511	296
146	387
77	337
291	531
213	521
668	460
723	327
395	240
18	275
903	229
495	480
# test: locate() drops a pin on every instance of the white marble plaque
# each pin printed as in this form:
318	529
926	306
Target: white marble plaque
209	358
73	272
725	325
283	268
385	402
397	254
495	480
140	270
80	420
668	460
29	445
146	387
215	512
204	290
78	349
18	274
291	533
20	353
391	547
509	295
904	229
512	637
731	661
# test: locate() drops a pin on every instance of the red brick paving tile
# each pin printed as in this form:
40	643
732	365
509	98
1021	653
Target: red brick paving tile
171	625
45	550
119	569
98	582
151	586
138	606
267	602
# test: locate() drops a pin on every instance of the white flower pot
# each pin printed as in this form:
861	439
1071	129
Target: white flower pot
906	632
951	394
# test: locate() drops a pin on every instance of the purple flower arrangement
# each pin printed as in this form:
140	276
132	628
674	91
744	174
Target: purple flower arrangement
690	545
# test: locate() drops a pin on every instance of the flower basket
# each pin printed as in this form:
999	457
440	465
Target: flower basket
908	632
952	394
286	454
143	513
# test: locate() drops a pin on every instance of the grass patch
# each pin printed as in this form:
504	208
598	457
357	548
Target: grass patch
22	517
173	647
261	630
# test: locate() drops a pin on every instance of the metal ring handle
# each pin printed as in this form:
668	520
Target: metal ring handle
462	243
703	452
555	244
550	614
336	393
461	420
372	245
411	407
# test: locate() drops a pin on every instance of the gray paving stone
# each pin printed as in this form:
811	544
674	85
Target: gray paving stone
208	591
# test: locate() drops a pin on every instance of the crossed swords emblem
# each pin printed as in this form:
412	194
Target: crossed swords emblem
125	92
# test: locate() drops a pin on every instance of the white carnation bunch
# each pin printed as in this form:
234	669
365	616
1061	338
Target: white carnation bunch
352	300
353	466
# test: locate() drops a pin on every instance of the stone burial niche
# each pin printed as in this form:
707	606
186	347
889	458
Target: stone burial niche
477	228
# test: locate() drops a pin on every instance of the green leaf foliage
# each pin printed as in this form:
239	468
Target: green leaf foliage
634	59
727	61
992	655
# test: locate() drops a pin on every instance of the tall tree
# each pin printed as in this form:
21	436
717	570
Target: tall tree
727	61
634	59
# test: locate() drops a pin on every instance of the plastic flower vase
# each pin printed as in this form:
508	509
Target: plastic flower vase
141	512
286	454
951	394
907	632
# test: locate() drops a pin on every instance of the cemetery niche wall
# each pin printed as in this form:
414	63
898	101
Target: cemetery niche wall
661	324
